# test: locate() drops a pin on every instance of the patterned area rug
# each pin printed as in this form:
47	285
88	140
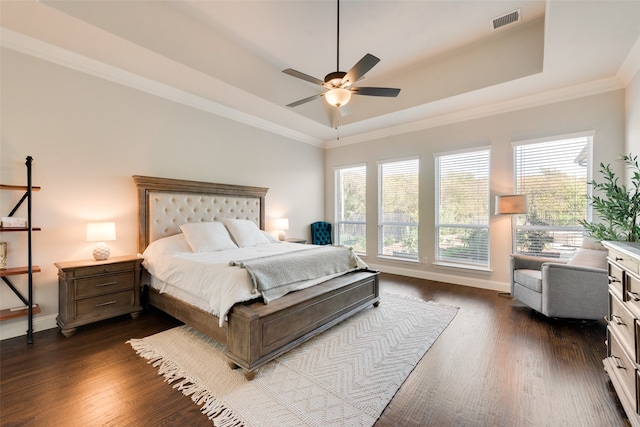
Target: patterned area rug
346	376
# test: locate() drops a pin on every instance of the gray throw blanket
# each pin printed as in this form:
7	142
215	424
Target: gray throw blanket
276	275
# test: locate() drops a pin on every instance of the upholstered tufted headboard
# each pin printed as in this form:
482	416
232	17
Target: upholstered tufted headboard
164	204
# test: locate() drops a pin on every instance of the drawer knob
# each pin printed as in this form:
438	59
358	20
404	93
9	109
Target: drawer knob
617	363
618	320
619	259
633	295
613	279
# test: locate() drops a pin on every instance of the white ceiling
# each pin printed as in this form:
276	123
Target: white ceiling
227	56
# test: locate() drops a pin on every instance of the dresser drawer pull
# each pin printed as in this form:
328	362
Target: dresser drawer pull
106	284
618	320
613	279
633	295
619	259
617	363
106	303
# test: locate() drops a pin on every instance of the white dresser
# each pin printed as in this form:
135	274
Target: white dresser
623	331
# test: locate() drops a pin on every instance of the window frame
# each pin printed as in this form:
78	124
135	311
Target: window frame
519	228
339	222
400	256
450	261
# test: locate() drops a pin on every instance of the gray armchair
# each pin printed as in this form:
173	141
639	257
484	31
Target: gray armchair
576	289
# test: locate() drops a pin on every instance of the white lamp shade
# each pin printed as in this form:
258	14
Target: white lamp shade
511	204
338	97
101	231
282	224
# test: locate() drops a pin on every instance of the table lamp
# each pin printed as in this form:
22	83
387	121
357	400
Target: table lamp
101	232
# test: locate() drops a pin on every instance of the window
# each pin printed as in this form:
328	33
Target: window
351	207
398	209
462	207
553	174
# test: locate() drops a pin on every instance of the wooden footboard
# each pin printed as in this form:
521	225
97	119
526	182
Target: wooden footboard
287	322
257	333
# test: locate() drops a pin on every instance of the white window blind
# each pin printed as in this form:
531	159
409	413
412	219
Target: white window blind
462	207
351	207
553	175
398	209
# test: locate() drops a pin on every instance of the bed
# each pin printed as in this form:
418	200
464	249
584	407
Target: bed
253	332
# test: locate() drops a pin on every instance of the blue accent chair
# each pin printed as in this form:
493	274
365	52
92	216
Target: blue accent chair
321	233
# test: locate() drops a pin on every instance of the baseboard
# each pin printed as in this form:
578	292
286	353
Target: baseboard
19	328
442	277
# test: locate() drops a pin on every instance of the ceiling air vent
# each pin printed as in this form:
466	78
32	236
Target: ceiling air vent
507	19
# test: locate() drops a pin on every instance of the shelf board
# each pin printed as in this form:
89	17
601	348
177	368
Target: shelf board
3	229
8	313
18	187
14	271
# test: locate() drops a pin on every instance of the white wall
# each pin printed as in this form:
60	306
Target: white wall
602	113
89	136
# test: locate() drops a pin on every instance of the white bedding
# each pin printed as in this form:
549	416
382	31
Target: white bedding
205	279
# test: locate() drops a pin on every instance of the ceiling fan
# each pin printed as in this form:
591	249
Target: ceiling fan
340	84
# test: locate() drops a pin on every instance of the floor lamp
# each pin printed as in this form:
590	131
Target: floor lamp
512	204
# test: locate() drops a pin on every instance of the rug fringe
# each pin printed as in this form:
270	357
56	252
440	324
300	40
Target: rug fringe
214	409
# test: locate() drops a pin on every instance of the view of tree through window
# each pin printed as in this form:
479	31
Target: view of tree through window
398	209
553	175
462	207
351	207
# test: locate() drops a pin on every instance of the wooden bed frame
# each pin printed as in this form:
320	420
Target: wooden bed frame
255	333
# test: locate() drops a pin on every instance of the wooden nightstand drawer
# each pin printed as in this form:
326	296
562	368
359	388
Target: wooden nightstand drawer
104	284
105	305
104	269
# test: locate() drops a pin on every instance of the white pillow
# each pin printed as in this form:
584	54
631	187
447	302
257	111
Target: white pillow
246	233
207	236
166	245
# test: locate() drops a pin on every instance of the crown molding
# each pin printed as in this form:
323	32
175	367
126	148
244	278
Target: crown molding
631	65
487	110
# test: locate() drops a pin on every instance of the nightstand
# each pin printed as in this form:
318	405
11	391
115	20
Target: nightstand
89	291
295	240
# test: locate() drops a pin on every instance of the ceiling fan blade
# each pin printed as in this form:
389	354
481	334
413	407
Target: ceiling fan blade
376	91
303	76
305	100
360	69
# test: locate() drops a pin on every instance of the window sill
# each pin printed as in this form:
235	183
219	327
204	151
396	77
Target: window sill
458	266
398	259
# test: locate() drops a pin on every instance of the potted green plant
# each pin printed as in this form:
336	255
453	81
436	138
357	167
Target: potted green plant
617	206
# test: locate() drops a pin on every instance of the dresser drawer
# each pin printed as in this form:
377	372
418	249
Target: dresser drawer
103	269
631	264
105	305
100	285
623	323
632	288
623	368
616	275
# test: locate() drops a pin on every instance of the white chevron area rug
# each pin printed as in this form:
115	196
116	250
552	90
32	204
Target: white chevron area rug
345	376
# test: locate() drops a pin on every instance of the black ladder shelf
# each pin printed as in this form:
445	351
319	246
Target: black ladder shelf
30	309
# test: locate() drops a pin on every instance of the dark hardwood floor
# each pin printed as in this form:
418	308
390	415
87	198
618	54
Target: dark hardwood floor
497	364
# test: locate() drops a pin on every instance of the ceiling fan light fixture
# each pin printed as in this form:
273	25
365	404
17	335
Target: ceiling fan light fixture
338	97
